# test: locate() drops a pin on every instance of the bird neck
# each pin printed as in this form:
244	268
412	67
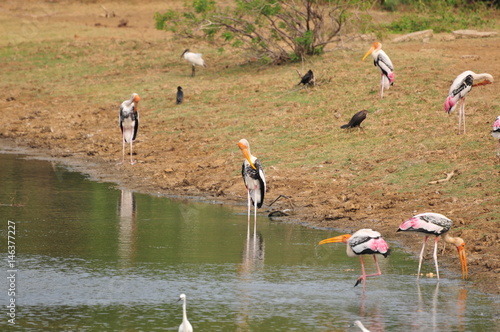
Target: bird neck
184	314
456	241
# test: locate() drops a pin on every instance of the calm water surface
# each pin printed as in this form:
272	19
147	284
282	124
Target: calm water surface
94	257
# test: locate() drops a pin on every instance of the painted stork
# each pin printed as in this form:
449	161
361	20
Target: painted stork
496	133
129	123
194	59
381	60
180	96
308	78
363	242
356	120
459	89
436	224
254	178
185	325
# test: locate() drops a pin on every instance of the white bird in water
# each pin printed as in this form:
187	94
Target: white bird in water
459	89
361	326
382	61
252	172
363	242
194	59
185	325
436	224
129	123
496	133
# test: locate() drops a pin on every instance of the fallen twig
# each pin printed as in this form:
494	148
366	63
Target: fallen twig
448	177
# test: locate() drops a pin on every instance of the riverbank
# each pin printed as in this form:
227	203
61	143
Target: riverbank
79	66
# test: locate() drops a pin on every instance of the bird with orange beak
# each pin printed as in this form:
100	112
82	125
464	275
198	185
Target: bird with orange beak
363	242
382	61
430	223
254	178
129	123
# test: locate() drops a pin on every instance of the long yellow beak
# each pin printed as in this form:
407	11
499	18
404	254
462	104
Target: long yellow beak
463	261
369	52
340	238
244	149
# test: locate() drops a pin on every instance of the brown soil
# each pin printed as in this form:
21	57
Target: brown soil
186	169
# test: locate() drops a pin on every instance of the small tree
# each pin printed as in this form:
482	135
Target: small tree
276	30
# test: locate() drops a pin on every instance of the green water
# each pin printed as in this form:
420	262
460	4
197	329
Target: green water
94	257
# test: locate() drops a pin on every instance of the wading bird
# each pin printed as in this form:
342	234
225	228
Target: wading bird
436	224
308	78
180	96
129	123
363	242
194	59
356	120
254	178
459	89
496	133
185	325
381	60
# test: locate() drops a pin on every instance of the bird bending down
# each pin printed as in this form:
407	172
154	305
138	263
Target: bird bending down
363	242
254	178
180	96
436	224
129	123
194	59
356	120
459	89
307	79
381	60
496	133
185	325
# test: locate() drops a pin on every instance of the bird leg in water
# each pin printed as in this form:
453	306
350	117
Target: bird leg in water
421	257
435	256
364	276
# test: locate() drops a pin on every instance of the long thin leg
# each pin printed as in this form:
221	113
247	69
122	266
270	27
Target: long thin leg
255	215
131	153
421	257
436	256
249	203
382	87
463	113
123	149
459	119
363	273
193	71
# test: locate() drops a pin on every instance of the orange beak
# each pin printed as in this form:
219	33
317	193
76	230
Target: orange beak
137	98
340	238
463	261
244	149
369	52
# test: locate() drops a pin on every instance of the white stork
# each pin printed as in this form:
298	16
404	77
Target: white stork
254	178
363	242
129	123
185	325
496	133
194	59
459	89
436	224
381	60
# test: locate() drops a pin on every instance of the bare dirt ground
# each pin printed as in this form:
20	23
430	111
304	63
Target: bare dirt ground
184	168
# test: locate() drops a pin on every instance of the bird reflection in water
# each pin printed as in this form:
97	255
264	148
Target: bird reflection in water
128	228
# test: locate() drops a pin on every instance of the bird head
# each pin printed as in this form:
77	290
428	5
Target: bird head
336	239
179	88
376	46
245	148
136	98
182	297
186	50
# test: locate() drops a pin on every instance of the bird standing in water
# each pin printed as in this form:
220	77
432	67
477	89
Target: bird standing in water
180	96
356	120
185	325
129	123
254	178
436	224
194	59
382	61
363	242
